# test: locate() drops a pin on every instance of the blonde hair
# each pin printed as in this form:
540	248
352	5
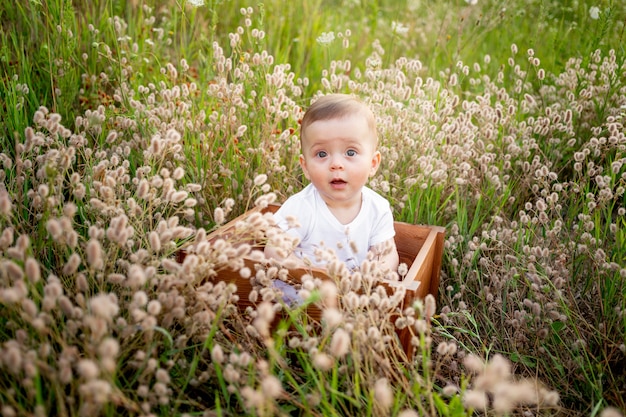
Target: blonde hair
336	106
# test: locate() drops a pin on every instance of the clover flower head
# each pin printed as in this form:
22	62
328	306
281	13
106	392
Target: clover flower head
399	28
326	38
196	3
594	12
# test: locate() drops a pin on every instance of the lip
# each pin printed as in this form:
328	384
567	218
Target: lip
338	183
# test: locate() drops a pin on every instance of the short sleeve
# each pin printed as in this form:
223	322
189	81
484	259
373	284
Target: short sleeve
381	217
383	228
301	210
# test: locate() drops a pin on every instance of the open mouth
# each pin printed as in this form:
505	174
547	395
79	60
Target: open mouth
337	181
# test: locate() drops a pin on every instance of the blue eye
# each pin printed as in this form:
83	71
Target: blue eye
351	152
321	154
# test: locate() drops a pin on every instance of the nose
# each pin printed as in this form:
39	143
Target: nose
336	163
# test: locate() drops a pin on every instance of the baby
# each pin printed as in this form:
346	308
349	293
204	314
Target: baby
336	210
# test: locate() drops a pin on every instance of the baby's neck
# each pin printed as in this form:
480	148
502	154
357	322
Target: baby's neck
346	213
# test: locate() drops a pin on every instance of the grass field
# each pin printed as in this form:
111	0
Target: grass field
130	129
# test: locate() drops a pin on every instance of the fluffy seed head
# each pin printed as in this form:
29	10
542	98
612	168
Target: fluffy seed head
154	307
322	361
260	179
109	348
179	196
32	269
271	387
94	252
383	393
72	264
332	317
88	369
104	305
340	343
217	354
475	399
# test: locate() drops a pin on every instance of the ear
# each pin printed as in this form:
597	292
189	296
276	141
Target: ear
304	167
375	163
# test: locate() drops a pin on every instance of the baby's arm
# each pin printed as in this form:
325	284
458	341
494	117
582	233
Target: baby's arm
387	254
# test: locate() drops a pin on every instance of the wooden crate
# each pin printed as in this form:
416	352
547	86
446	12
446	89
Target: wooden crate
420	247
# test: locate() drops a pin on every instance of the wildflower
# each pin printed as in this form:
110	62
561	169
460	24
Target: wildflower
154	307
111	137
88	369
136	276
271	387
594	12
140	298
109	348
449	390
155	241
217	354
326	38
332	316
169	265
442	349
399	28
475	399
266	312
94	254
471	2
218	214
252	397
473	363
178	173
179	196
328	292
8	411
231	374
429	306
12	357
383	393
340	343
32	269
97	390
322	361
54	229
541	74
162	376
66	306
104	305
245	272
241	131
260	179
196	3
72	264
143	189
29	307
611	412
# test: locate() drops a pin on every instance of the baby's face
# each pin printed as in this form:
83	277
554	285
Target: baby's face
338	157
